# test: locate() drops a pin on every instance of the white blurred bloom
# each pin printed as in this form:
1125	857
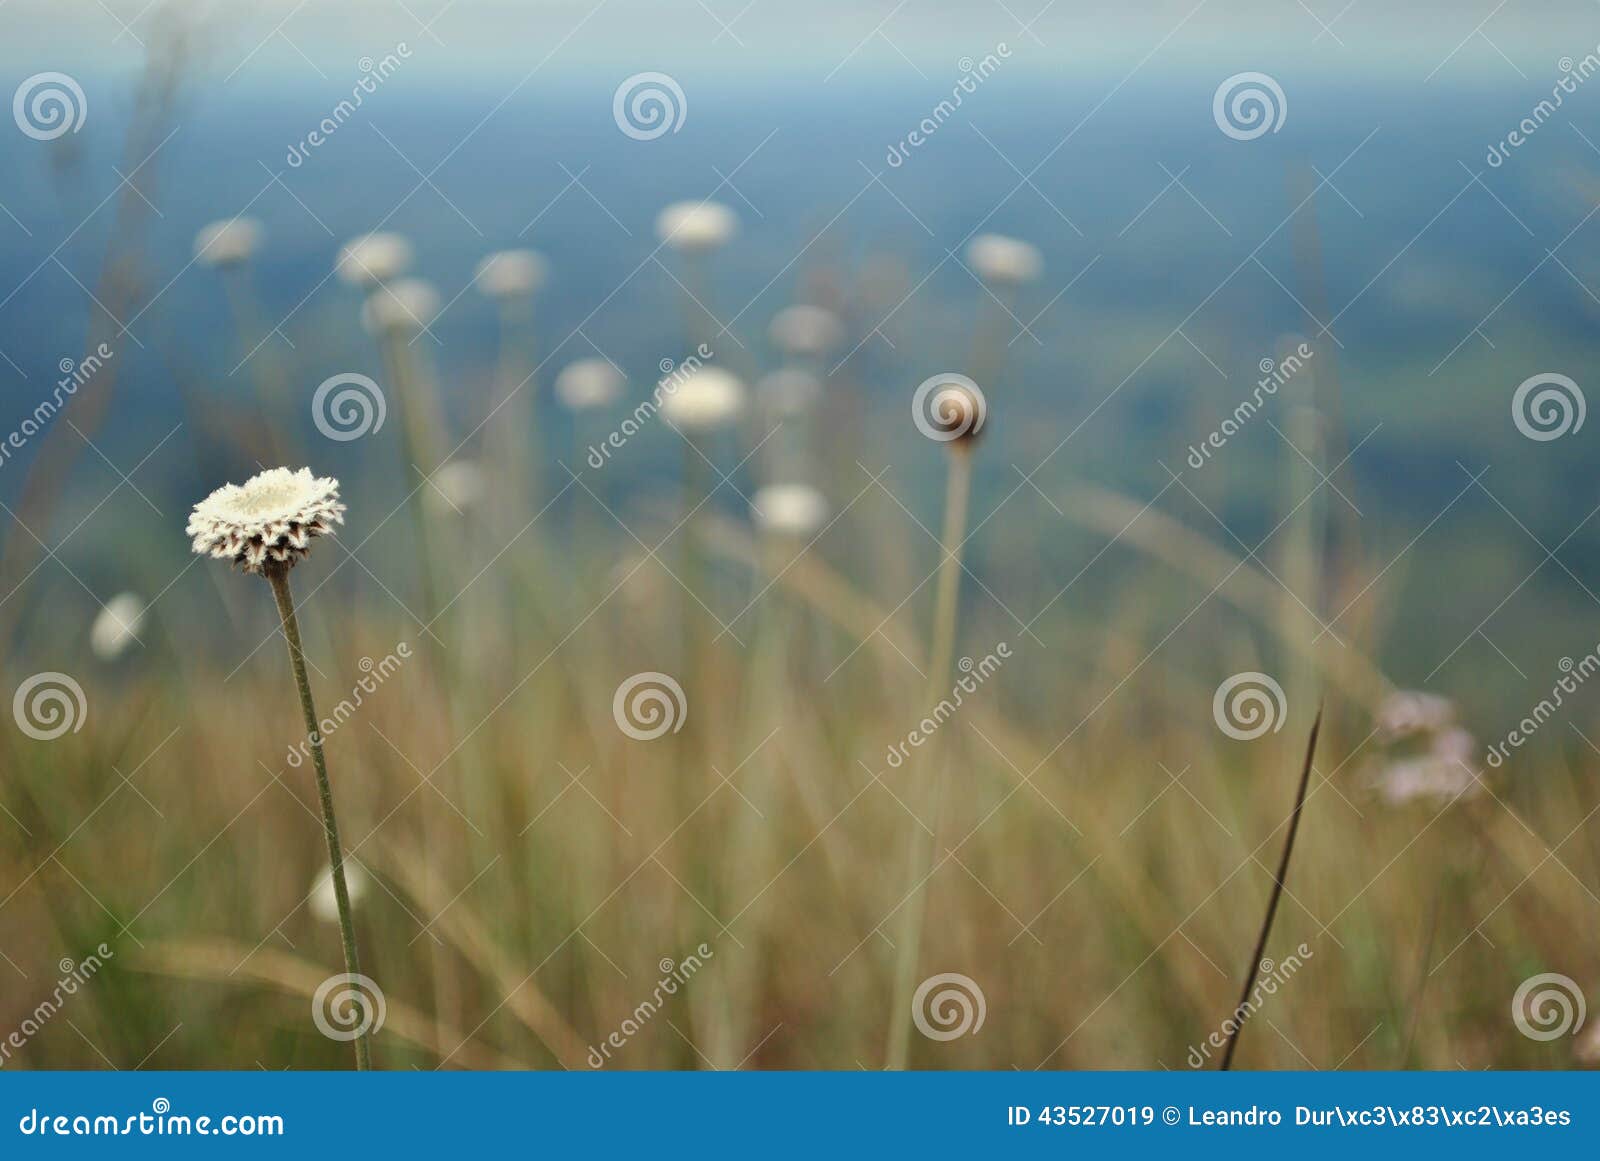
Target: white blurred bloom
117	626
324	904
407	305
373	258
1004	261
789	509
458	485
789	392
226	242
589	383
806	330
510	273
1407	712
696	226
707	397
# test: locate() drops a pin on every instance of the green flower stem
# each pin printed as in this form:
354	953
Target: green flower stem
278	577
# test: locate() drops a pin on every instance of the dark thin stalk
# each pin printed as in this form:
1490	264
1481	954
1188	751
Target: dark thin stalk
1277	894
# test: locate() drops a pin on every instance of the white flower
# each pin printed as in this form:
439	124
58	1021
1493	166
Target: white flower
806	330
707	397
458	485
322	901
117	626
510	273
271	517
588	383
789	392
407	305
696	226
1004	261
373	258
226	242
1407	712
789	509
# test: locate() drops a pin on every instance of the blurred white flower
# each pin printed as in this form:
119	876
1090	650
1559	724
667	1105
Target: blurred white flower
117	626
1405	713
707	397
789	392
510	273
696	226
226	242
1004	261
407	305
589	383
789	509
324	904
806	330
373	258
458	485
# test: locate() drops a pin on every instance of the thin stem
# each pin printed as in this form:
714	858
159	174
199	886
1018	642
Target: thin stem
1272	903
278	577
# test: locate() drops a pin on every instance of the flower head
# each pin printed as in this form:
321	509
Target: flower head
708	397
324	903
270	518
510	273
789	509
117	626
373	258
457	485
1406	713
806	330
227	242
1004	261
696	226
407	305
586	383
